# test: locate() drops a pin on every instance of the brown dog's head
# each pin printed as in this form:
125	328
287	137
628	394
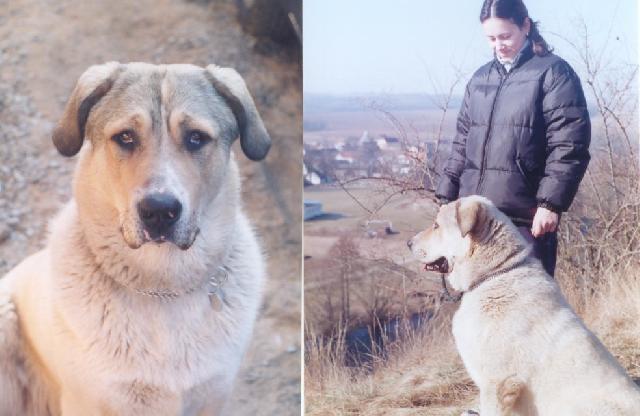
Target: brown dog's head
158	148
449	238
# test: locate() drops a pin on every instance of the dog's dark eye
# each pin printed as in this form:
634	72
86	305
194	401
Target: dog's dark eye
194	140
435	225
126	140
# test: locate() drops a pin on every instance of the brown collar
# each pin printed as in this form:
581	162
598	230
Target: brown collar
491	276
448	297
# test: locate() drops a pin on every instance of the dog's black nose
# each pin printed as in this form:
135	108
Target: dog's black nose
409	243
159	212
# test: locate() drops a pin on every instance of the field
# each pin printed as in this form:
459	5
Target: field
408	215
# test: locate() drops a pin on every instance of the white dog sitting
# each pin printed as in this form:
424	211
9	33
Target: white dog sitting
520	341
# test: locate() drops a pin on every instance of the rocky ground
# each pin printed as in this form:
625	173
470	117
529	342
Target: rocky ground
45	45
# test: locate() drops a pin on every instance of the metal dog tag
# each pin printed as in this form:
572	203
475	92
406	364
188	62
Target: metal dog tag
217	300
216	295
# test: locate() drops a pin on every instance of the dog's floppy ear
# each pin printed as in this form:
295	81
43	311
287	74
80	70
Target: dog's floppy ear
471	216
92	85
254	139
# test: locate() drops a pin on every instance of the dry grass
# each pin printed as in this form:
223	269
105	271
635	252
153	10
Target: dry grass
420	372
614	315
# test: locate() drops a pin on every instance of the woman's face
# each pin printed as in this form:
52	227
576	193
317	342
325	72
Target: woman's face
505	37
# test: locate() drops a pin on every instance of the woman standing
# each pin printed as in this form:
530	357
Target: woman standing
523	131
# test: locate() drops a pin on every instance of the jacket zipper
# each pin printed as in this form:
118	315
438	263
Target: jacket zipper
483	166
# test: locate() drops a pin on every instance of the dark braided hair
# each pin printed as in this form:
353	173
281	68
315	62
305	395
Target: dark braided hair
516	12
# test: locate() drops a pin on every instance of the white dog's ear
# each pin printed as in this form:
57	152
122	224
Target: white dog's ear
92	85
470	215
254	139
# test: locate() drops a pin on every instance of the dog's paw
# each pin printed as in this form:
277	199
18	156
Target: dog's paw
469	413
509	391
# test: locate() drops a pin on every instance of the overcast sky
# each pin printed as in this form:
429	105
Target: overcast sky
397	46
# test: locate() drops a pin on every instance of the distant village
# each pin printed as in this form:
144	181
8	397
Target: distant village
366	156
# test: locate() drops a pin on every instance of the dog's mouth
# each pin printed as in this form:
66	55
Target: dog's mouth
136	237
183	242
441	265
158	239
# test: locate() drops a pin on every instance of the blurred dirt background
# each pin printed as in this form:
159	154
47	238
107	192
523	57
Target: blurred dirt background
45	45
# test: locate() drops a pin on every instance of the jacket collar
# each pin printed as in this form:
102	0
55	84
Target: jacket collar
525	53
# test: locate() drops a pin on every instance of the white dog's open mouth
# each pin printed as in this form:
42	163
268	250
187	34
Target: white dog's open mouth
441	265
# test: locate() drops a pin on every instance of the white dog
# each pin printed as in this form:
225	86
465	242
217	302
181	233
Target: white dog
520	341
144	299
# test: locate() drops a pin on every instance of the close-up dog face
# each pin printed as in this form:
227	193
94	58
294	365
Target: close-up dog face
160	139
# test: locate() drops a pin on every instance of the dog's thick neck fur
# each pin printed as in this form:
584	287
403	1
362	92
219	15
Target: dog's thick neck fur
130	268
507	248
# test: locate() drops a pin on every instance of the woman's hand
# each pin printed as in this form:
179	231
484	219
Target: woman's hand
545	221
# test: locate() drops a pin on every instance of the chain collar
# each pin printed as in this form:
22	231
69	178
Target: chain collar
214	289
445	294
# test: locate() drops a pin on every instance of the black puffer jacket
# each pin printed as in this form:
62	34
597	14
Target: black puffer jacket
522	137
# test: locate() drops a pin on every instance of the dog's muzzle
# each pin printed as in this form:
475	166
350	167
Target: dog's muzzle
159	212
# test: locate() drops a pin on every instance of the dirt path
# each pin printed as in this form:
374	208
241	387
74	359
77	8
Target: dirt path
46	45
